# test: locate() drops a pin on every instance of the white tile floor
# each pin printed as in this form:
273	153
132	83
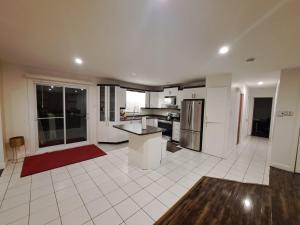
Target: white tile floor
108	191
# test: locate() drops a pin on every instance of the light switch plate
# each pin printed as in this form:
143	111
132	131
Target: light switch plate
284	113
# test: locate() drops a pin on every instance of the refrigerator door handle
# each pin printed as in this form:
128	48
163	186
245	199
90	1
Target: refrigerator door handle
190	116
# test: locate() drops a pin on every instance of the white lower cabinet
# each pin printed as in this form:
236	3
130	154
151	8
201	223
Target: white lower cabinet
108	134
152	122
176	131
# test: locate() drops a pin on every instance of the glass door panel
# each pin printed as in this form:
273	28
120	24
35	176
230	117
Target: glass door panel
75	106
102	103
112	99
50	115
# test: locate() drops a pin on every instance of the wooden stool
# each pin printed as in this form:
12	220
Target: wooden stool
15	143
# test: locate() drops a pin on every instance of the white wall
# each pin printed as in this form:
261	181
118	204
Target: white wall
234	116
15	104
19	104
245	113
264	92
286	128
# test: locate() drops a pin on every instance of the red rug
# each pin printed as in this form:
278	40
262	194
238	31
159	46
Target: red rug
51	160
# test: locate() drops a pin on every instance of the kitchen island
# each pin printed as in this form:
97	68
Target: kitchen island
145	149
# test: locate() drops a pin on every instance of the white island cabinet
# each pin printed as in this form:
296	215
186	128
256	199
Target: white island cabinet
145	145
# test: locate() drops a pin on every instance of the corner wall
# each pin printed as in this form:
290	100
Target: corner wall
245	113
286	127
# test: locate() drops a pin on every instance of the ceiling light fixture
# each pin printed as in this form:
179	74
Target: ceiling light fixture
260	83
250	60
224	50
78	61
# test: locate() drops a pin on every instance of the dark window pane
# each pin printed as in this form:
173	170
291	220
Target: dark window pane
49	101
102	103
50	132
76	129
112	100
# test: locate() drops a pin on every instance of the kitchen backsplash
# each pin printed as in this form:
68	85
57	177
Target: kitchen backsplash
162	112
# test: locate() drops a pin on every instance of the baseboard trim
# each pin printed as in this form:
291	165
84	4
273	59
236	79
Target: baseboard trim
113	143
2	165
281	166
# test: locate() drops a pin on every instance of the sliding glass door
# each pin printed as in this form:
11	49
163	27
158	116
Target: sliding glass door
61	113
75	105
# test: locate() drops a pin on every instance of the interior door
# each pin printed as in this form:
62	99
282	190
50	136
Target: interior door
262	111
216	104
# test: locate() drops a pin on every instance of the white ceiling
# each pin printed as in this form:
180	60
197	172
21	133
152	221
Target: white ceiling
160	40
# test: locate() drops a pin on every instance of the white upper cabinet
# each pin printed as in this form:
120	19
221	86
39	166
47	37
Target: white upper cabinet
121	97
194	93
111	98
171	91
154	100
200	93
108	98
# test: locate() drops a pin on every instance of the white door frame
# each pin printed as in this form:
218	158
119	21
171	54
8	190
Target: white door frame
61	146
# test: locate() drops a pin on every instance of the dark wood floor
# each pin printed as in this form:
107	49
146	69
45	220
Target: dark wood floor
285	197
215	201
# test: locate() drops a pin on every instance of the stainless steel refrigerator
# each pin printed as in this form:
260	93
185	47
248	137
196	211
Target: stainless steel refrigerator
191	124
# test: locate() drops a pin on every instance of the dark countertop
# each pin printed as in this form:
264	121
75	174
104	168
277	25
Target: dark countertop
149	116
137	129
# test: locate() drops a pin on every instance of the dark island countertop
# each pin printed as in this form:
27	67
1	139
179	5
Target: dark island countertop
137	129
149	116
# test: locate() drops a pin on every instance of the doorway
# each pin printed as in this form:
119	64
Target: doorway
61	115
262	111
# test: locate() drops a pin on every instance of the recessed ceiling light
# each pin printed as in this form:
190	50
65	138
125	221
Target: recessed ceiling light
224	50
78	61
260	83
250	59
